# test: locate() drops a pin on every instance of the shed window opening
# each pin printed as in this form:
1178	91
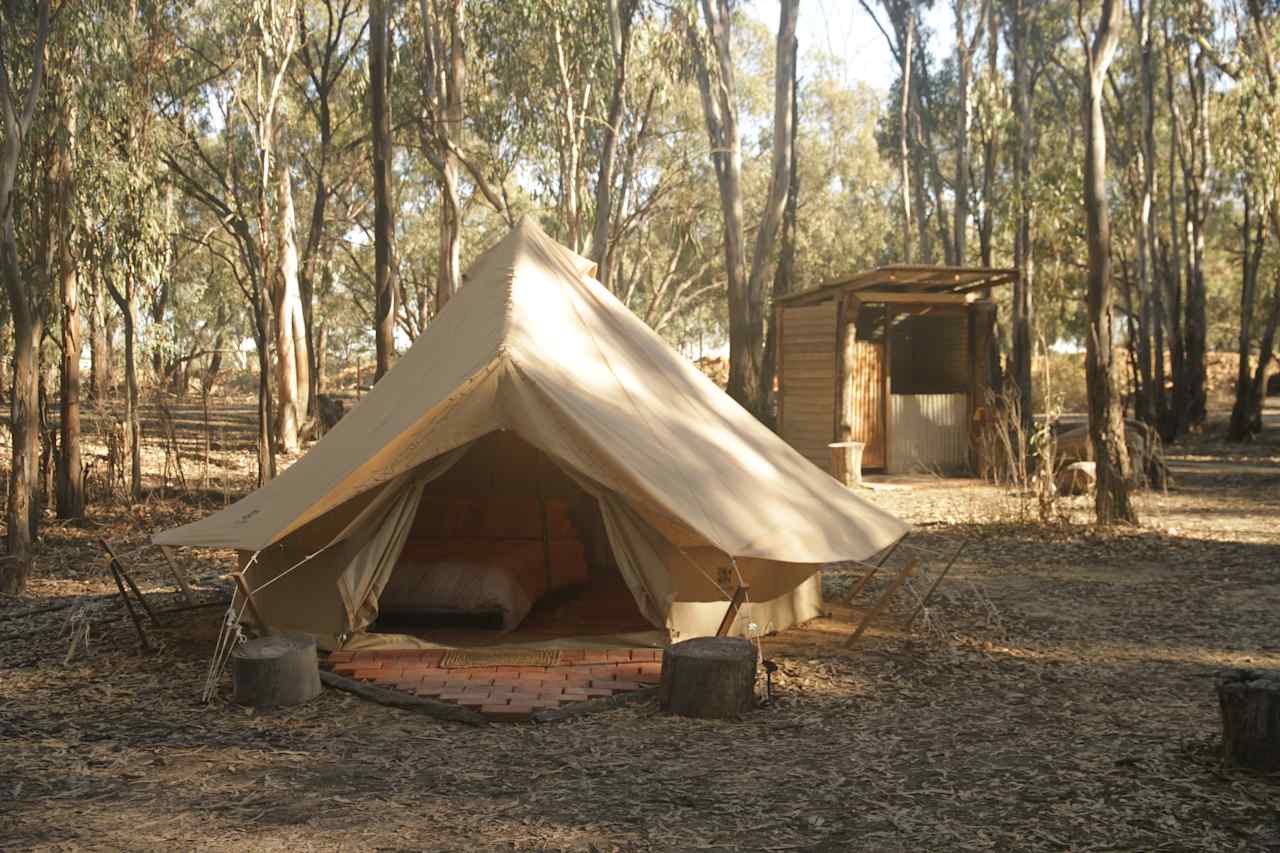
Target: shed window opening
929	354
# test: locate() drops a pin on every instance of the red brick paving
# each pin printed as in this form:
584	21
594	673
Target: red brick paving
505	693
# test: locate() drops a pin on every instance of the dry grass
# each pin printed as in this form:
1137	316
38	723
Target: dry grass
1060	697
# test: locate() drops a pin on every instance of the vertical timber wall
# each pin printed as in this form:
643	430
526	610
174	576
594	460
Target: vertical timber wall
807	380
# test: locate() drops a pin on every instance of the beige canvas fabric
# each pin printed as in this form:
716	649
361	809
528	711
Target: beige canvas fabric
696	494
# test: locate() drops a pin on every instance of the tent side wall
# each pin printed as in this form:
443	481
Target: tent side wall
702	618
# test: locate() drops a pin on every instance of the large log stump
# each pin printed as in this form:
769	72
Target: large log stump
708	677
270	672
1250	702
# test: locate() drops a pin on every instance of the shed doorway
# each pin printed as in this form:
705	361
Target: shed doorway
907	399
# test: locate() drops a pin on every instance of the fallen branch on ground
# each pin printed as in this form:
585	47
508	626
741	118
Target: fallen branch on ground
396	699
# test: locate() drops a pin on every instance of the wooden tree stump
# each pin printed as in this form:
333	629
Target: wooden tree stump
846	461
708	677
1250	703
275	671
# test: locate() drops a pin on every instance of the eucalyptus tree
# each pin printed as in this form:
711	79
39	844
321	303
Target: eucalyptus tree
384	215
226	99
443	74
1195	159
969	35
904	44
622	19
1106	422
23	43
70	468
332	155
716	77
1249	58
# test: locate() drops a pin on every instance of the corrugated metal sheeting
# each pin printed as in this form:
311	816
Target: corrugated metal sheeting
807	377
928	432
867	401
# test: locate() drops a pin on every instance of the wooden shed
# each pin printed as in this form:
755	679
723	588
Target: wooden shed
898	358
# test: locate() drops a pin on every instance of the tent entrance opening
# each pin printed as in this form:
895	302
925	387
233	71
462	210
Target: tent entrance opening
506	546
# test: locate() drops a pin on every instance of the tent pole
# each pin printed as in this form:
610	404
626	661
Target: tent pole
739	596
253	605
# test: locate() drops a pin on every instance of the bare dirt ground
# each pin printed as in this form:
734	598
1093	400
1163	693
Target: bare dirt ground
1058	696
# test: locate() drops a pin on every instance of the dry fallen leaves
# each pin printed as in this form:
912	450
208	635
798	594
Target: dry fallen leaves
1058	697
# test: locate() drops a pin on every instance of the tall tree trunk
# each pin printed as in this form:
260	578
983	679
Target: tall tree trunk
163	292
965	48
1106	422
307	274
455	81
784	112
18	110
127	302
292	361
784	275
1252	233
1175	421
568	150
1266	346
23	423
383	216
1145	399
620	13
904	134
919	188
70	487
1159	377
990	153
719	107
266	415
322	358
1023	304
101	352
1197	214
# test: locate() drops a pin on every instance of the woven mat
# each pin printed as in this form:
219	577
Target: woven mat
460	658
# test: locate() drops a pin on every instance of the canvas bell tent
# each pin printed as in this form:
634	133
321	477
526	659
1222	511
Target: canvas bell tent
540	466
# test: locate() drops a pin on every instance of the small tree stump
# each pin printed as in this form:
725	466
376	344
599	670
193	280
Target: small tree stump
270	672
708	677
1250	702
846	461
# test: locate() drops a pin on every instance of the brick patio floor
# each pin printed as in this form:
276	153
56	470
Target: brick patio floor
505	693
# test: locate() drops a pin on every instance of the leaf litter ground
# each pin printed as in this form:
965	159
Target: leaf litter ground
1058	695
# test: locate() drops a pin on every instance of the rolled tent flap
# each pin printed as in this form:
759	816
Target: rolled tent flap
367	573
291	579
